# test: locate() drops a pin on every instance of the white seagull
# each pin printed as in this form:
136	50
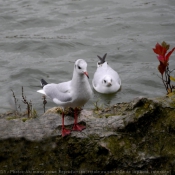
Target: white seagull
106	80
74	93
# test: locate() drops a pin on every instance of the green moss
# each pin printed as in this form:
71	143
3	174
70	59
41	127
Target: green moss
24	119
172	104
141	110
34	113
17	117
12	117
108	115
150	145
119	146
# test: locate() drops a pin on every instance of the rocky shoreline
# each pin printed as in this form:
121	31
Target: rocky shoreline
127	138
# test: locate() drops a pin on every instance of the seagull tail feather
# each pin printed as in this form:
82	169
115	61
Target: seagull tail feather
43	83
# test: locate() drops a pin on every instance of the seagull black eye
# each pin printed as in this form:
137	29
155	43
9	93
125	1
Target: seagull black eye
105	81
79	67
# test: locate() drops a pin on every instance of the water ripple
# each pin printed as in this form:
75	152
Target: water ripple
42	39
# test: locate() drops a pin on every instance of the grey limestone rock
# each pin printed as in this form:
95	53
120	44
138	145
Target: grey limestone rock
124	138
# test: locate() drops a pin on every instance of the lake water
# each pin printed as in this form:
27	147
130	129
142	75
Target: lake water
42	39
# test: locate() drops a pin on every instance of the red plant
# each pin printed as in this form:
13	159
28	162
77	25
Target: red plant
163	57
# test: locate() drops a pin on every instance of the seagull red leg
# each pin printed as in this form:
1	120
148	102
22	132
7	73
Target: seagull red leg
76	126
64	131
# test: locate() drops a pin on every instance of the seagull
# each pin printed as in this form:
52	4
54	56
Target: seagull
74	93
106	80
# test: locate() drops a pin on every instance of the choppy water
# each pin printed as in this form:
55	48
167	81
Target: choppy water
42	39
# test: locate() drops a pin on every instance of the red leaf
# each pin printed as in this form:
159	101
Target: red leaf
162	68
159	50
168	55
161	58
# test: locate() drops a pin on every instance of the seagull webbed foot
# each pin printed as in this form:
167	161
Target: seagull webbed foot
78	127
65	132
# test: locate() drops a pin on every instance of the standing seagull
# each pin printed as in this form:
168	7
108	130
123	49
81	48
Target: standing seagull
105	80
74	93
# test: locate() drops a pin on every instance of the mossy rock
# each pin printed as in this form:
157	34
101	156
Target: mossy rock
126	138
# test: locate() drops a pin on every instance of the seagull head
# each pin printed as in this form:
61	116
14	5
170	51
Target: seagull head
107	81
81	67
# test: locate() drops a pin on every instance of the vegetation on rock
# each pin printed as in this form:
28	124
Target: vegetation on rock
136	136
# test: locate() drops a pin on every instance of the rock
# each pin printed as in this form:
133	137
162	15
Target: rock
136	137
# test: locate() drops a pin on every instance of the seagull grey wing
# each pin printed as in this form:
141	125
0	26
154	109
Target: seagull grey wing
64	87
52	91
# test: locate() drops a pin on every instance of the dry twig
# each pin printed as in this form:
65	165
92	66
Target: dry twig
27	103
44	103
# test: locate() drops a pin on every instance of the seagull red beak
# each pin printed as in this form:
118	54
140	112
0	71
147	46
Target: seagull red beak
86	74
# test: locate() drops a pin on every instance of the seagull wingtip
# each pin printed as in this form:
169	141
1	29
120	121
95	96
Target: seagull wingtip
41	91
